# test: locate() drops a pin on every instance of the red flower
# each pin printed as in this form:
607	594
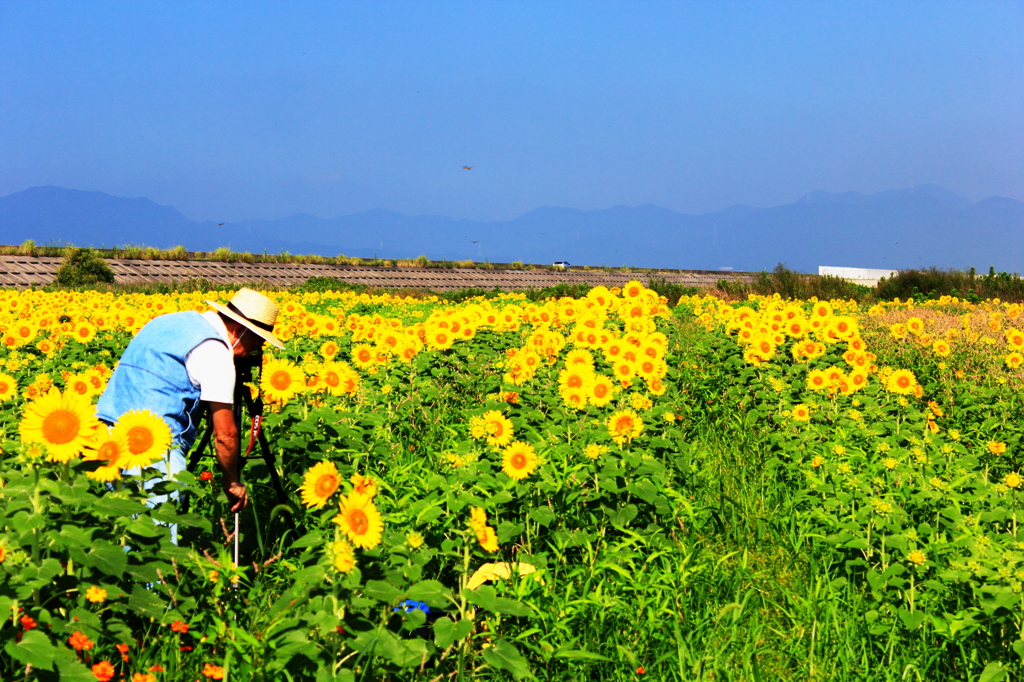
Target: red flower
103	671
179	626
185	649
205	476
640	670
28	623
156	668
123	648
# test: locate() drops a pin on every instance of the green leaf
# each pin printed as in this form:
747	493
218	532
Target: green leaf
622	517
504	656
34	649
382	591
486	598
993	672
432	592
113	506
543	515
580	654
911	621
447	632
110	559
145	602
72	670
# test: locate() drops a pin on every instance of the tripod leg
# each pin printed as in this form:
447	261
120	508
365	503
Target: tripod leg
268	459
193	460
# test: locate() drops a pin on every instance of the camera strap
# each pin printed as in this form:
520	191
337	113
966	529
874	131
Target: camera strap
257	425
254	434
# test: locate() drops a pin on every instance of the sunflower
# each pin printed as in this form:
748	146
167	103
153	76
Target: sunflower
941	348
477	518
497	428
1013	361
319	484
65	423
84	333
282	380
485	535
342	556
624	426
364	485
328	350
901	381
574	398
801	412
364	355
110	447
8	387
602	391
624	372
656	386
148	437
79	383
360	520
488	539
519	460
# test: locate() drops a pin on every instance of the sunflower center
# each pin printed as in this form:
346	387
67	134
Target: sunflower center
326	485
140	439
600	391
4	387
575	381
108	452
518	461
358	521
281	380
903	382
332	379
60	427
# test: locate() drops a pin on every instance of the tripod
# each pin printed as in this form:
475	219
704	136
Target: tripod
254	408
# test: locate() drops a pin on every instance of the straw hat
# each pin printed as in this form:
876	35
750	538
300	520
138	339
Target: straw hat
253	310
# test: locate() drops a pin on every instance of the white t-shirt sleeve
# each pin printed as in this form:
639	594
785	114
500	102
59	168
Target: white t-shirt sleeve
211	367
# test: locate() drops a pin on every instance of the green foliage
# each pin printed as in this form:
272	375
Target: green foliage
83	267
933	283
710	547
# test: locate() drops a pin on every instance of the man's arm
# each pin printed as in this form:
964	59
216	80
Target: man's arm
228	448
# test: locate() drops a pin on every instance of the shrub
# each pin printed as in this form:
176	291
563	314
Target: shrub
82	267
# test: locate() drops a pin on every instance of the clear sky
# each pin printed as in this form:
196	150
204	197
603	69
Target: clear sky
234	110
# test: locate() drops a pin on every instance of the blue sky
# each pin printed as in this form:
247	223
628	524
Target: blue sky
234	110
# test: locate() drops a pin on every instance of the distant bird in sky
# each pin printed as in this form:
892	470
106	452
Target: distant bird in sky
473	242
220	223
467	168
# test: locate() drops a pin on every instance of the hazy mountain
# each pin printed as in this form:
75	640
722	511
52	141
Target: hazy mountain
914	227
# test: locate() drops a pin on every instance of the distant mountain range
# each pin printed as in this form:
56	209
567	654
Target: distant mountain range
917	227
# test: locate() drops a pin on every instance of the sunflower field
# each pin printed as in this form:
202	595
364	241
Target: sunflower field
614	487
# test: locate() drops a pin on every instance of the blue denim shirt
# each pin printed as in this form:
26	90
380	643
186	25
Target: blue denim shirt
152	375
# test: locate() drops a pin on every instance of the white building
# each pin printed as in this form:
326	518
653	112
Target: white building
865	276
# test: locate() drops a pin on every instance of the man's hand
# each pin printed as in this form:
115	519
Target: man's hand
238	496
227	444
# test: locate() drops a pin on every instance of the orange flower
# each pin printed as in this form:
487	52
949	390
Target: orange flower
103	671
214	672
80	641
179	626
123	648
27	622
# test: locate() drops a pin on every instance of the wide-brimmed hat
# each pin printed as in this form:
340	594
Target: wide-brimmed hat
253	310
